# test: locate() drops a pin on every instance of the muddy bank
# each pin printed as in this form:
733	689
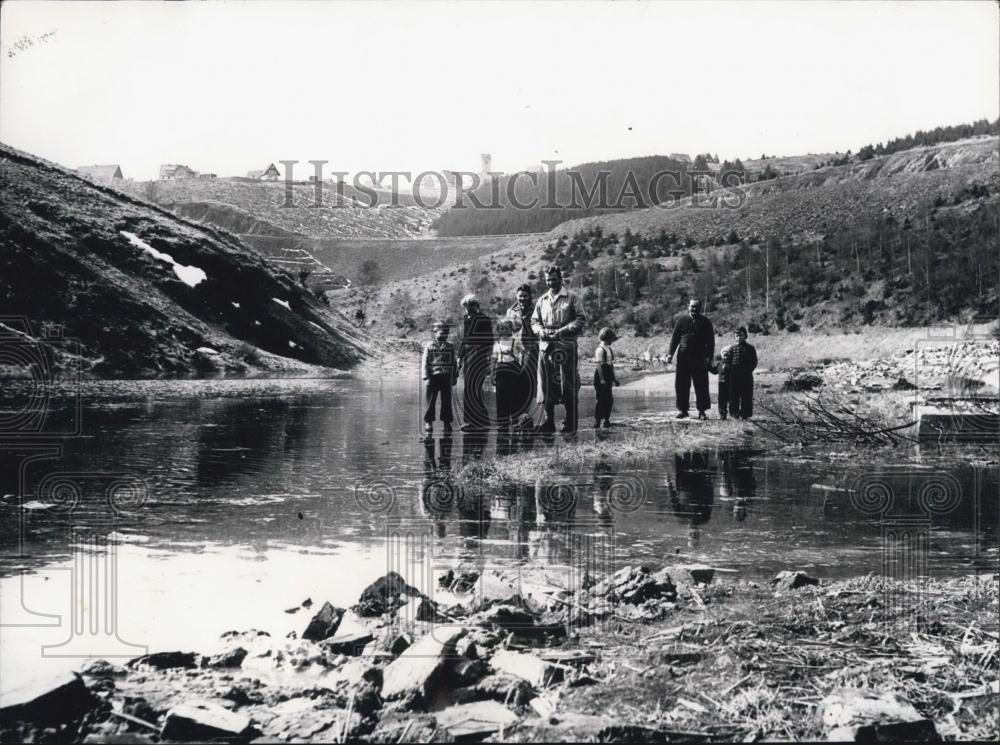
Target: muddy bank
682	652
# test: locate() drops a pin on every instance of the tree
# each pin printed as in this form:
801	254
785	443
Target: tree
368	279
304	275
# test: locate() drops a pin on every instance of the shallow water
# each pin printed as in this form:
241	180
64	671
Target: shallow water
178	510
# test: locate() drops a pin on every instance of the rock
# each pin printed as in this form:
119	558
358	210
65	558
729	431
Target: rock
406	727
529	668
294	655
922	730
688	574
243	636
324	624
856	715
165	660
502	687
299	719
385	595
634	585
203	720
802	381
468	672
466	647
793	580
506	617
47	701
674	656
230	658
427	611
118	738
412	673
349	644
475	720
459	582
568	656
103	669
570	727
902	384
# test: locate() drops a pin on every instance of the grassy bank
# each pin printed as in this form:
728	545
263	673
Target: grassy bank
640	441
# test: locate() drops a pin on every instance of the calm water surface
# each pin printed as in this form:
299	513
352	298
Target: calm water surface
210	506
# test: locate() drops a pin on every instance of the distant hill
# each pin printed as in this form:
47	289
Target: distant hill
581	191
908	238
97	281
265	201
398	258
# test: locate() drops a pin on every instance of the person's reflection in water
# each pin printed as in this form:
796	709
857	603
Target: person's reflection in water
693	497
506	443
473	445
474	515
438	490
604	476
513	508
473	511
555	508
736	481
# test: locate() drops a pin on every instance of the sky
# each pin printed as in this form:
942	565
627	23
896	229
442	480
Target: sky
227	87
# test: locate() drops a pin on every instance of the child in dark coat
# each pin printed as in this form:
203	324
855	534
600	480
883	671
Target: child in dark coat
739	360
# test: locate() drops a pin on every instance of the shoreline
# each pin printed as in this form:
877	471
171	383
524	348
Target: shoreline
686	652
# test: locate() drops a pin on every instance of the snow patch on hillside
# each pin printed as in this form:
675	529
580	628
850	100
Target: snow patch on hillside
189	275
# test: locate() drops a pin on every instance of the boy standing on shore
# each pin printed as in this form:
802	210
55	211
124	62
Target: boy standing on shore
604	377
440	371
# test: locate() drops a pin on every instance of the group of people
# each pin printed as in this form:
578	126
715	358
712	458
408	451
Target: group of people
693	342
532	360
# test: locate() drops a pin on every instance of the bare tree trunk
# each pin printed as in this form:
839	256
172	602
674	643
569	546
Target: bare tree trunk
748	278
767	277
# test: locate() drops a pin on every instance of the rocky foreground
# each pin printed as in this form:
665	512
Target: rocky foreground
679	654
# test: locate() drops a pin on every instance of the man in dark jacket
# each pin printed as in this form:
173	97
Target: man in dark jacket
694	343
474	361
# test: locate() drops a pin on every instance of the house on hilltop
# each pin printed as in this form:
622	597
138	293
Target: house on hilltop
172	172
270	173
103	175
680	157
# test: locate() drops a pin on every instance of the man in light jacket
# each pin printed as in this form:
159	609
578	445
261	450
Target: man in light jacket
557	320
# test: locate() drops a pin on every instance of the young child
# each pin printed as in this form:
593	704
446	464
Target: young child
441	373
604	377
740	360
721	368
506	365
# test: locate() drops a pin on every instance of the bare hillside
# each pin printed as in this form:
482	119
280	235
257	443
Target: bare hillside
265	202
798	211
99	282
